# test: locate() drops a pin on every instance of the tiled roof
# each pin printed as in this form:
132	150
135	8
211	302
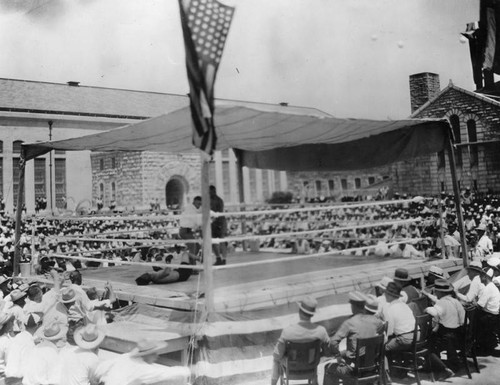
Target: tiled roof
62	98
451	86
42	97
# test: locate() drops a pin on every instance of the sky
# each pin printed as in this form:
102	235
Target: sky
349	58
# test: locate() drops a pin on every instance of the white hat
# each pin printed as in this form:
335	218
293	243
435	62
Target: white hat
89	337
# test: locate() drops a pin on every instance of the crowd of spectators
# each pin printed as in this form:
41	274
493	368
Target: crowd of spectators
434	223
51	334
431	222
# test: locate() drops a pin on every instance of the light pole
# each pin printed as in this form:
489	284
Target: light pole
50	122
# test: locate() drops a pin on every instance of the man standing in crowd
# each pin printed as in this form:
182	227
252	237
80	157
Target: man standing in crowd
487	314
303	331
474	271
485	245
189	224
363	324
219	227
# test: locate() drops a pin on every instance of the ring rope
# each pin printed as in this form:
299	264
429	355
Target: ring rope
235	213
332	230
306	209
162	265
298	257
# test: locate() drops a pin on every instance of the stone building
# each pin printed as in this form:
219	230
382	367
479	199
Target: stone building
33	111
475	121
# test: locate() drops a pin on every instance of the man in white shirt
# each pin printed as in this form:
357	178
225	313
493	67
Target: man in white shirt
488	306
189	223
485	245
138	367
400	319
474	271
405	250
42	365
78	365
19	348
449	315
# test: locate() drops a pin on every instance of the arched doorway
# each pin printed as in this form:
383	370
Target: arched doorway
174	193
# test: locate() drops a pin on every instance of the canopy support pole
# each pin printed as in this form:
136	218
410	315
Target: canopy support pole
207	234
19	213
241	195
456	193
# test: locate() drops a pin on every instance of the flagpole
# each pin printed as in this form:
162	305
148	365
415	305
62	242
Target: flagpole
19	213
207	234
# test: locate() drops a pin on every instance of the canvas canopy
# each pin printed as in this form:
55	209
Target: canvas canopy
280	138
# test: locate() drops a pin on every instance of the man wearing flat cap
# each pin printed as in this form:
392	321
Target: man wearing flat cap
303	331
363	324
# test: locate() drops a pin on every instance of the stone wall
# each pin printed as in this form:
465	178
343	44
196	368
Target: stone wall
423	176
344	183
141	177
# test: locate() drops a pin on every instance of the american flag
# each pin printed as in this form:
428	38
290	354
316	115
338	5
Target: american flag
205	25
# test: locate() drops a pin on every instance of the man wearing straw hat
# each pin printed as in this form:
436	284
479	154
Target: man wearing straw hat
304	330
78	366
42	362
136	367
449	315
363	324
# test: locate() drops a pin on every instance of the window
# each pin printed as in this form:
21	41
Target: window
113	191
101	190
16	146
357	183
318	187
60	182
343	182
15	179
371	180
331	186
101	164
442	186
40	178
113	162
474	182
472	134
455	126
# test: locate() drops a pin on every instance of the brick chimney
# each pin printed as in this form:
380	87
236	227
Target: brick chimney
423	87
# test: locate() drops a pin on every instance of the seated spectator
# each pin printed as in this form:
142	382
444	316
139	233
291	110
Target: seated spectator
363	324
403	279
400	320
448	315
305	330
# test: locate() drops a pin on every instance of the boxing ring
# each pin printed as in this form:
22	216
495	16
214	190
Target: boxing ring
229	317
